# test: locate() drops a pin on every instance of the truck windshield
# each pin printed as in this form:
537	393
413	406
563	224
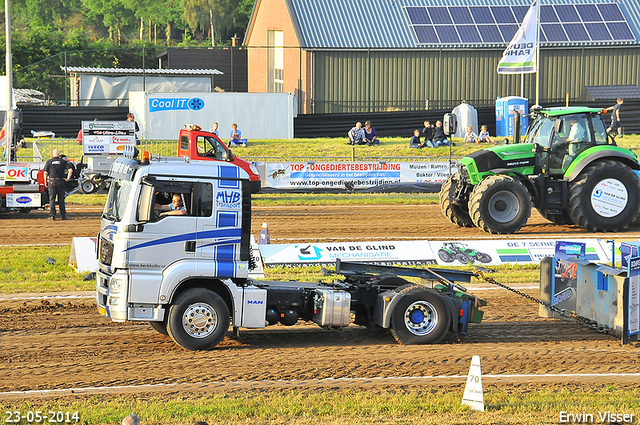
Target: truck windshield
117	199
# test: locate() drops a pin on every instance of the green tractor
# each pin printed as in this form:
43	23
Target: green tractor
569	169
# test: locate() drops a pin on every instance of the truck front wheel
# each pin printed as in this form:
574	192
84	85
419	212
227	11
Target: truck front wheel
500	204
605	197
453	212
420	317
198	319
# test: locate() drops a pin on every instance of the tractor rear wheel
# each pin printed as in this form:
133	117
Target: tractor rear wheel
453	212
500	204
605	197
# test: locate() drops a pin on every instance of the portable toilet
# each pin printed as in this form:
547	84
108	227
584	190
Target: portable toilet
504	115
466	115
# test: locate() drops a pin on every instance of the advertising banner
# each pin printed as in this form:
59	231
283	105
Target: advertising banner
107	137
565	276
288	175
324	254
23	200
633	314
494	252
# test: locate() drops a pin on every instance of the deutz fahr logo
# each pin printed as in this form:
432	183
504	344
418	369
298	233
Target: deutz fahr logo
228	199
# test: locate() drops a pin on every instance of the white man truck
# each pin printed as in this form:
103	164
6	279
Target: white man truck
187	274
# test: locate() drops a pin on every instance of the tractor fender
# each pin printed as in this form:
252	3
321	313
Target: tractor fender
523	179
581	163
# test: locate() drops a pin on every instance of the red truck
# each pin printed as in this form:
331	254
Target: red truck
22	187
203	145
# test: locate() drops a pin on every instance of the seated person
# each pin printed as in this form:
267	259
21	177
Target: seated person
176	207
235	138
439	138
370	135
484	135
576	137
427	132
415	140
470	136
356	135
214	129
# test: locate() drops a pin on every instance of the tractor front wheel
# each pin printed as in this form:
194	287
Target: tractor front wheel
605	197
453	212
500	204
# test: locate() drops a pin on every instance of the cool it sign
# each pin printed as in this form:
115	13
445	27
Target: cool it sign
175	104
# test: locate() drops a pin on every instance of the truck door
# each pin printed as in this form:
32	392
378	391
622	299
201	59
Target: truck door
171	233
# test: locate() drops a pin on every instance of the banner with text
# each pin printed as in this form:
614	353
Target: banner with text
107	137
291	175
444	253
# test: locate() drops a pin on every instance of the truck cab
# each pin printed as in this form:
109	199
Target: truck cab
203	145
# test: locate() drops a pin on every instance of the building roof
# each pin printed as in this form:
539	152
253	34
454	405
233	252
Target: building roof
140	71
386	23
613	92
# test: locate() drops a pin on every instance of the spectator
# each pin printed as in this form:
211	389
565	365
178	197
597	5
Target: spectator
131	420
71	164
79	137
615	118
470	136
439	138
427	132
415	140
370	135
235	137
356	135
130	117
56	173
176	207
484	135
214	129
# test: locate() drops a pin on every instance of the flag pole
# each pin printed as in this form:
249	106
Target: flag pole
538	52
9	65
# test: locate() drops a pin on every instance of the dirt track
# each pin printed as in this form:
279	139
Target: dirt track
64	343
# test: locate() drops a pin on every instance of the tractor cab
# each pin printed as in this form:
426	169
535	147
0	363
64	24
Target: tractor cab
561	134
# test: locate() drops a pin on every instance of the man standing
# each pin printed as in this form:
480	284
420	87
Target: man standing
131	117
57	173
615	118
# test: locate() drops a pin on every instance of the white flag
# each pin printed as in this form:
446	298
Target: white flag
520	55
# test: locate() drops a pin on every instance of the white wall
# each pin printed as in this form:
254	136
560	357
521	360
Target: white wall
258	115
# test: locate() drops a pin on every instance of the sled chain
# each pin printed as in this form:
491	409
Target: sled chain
591	324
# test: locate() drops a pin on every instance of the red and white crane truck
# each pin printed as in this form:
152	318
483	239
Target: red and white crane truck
188	274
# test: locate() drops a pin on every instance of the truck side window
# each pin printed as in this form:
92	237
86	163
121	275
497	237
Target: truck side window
184	143
202	200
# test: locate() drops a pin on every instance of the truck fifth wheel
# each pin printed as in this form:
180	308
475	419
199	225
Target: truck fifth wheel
569	169
185	269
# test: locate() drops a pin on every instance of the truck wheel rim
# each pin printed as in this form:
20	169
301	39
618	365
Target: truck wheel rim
504	206
421	318
199	320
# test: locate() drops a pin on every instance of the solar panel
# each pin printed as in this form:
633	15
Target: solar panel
418	16
447	34
503	15
597	31
461	15
560	23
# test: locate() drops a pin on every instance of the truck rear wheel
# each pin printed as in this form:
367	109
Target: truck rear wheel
500	204
605	197
198	320
420	317
454	213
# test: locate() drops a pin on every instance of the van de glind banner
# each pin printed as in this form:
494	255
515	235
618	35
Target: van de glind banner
520	55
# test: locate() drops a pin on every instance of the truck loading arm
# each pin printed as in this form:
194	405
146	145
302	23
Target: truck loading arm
428	274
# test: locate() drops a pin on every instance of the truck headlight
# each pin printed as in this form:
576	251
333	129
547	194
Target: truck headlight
254	169
115	285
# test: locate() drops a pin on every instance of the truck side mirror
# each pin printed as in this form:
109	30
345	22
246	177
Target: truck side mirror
228	155
557	125
145	206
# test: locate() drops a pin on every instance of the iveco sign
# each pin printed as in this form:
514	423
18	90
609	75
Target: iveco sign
175	104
